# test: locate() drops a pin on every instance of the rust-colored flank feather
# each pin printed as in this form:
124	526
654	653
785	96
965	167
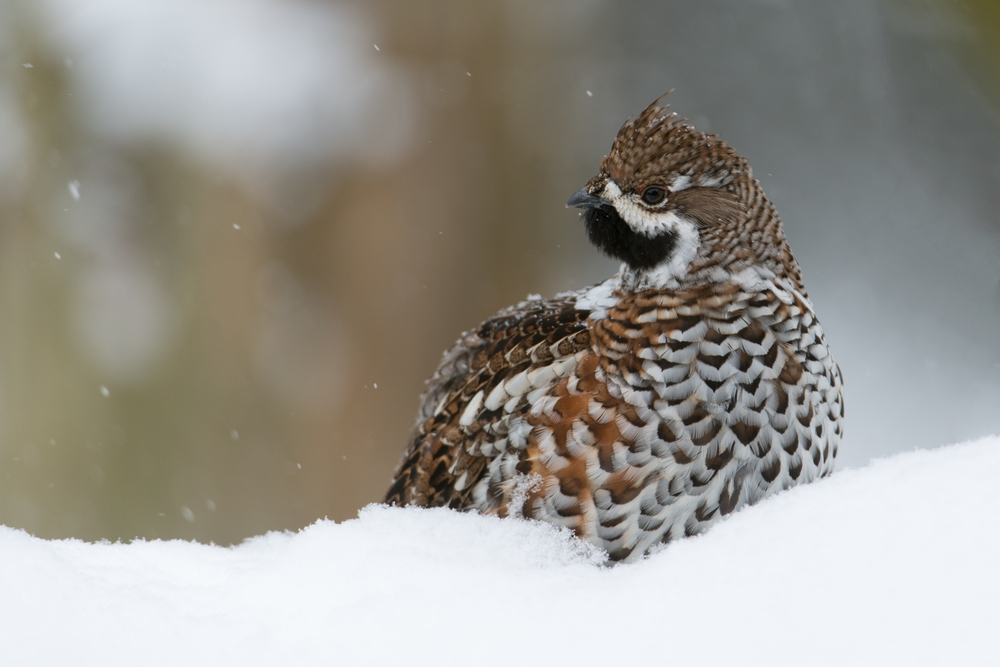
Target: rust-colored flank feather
643	409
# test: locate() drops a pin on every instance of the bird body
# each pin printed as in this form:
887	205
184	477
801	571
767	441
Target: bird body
643	409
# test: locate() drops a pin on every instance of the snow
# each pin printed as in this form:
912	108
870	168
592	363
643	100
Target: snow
895	563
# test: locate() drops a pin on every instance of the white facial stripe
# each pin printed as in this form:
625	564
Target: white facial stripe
611	190
685	250
684	181
681	182
651	223
642	220
718	181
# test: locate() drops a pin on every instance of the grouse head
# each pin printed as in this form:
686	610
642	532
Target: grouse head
672	203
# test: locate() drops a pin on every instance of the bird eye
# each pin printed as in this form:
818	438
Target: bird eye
653	195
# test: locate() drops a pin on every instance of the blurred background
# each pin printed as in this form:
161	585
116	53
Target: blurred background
236	235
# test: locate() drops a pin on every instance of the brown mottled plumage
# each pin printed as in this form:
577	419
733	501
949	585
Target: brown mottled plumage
693	382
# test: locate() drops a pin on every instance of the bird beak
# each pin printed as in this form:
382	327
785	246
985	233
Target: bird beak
583	199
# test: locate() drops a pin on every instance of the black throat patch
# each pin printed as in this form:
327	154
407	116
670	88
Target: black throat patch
615	238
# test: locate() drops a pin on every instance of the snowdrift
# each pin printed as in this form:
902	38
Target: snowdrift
897	563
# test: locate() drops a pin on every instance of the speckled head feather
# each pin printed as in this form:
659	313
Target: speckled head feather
712	206
660	144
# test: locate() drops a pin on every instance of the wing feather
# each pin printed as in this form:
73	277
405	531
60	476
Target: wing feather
478	392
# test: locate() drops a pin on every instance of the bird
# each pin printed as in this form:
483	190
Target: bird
695	381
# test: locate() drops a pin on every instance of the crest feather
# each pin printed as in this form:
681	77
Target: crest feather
658	145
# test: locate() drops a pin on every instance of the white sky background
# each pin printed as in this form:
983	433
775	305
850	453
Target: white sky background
894	564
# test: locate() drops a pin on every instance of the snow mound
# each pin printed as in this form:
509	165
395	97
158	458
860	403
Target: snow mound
895	563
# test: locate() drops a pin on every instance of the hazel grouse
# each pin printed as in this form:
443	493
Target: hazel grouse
695	381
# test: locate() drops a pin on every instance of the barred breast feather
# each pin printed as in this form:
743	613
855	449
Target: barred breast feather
632	422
